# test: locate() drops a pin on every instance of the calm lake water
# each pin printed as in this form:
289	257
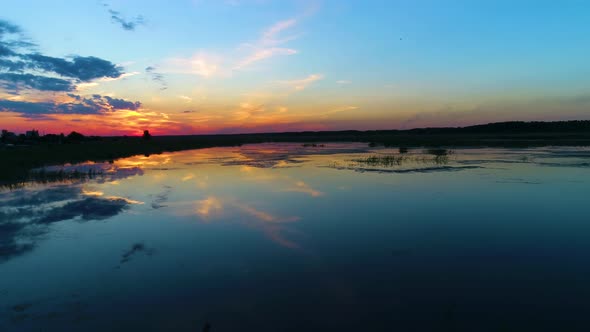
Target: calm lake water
281	237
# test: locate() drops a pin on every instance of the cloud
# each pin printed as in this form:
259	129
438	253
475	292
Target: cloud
25	213
120	77
22	68
118	104
90	208
157	77
135	249
301	84
264	54
186	99
97	104
6	51
13	83
266	46
11	66
342	109
7	27
270	35
303	187
12	39
47	196
126	24
342	82
206	207
80	68
200	64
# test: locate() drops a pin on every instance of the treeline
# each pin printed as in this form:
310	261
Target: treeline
33	137
18	159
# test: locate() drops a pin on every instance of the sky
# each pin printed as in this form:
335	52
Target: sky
119	67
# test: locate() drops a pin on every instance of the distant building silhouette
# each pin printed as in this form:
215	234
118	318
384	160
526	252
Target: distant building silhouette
32	134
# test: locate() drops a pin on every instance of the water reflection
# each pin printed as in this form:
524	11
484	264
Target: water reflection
206	207
24	219
386	238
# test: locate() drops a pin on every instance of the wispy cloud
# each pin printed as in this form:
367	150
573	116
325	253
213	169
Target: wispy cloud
206	207
201	64
303	187
267	46
337	110
262	54
126	24
343	82
157	77
186	99
301	84
271	34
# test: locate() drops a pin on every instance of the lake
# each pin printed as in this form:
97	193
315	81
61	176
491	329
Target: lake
286	237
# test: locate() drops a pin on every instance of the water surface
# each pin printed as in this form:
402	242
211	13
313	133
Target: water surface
281	237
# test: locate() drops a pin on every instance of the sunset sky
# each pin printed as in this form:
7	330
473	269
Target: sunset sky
228	66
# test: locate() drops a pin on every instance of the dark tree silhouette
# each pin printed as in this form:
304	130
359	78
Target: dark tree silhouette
146	135
75	136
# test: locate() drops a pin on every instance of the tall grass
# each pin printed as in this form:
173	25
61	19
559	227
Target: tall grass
381	160
430	156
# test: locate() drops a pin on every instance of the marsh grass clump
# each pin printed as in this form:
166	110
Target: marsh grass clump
381	160
526	159
441	156
440	152
429	157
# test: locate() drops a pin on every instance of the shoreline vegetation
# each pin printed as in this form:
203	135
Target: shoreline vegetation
19	156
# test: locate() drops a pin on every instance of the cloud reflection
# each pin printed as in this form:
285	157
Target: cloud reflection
303	187
273	226
25	215
206	207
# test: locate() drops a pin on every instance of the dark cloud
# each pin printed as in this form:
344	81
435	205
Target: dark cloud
5	50
80	68
90	208
24	107
13	83
122	103
160	199
8	216
157	77
96	105
135	249
11	248
8	28
128	25
47	196
23	68
34	110
11	65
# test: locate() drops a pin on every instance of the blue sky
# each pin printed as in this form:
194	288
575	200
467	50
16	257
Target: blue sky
238	65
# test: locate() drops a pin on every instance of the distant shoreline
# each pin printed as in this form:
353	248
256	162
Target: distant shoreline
17	161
